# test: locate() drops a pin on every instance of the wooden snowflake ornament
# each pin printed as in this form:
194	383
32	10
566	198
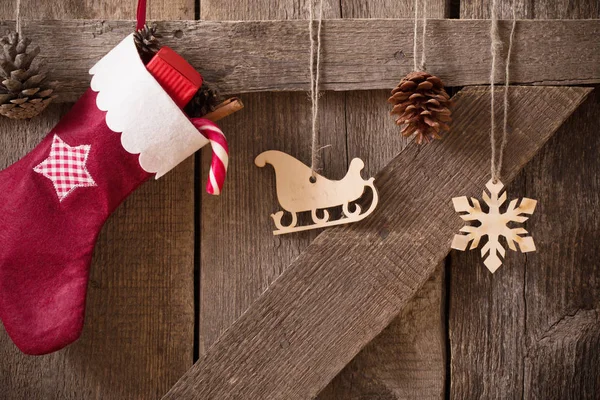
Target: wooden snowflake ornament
494	224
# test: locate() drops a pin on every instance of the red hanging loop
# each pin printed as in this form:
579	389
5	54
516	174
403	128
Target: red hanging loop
141	14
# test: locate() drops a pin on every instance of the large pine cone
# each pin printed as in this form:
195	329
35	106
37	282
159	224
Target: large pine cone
422	106
23	91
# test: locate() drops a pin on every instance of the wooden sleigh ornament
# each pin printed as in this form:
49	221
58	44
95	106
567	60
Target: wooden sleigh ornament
299	189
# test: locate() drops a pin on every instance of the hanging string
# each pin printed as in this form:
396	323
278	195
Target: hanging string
496	44
506	84
420	66
315	72
141	15
18	18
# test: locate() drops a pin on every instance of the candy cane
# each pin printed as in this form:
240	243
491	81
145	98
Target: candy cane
220	158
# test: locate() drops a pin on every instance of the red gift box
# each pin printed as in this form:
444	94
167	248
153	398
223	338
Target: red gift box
176	76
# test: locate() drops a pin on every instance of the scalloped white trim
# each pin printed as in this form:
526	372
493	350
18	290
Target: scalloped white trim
136	106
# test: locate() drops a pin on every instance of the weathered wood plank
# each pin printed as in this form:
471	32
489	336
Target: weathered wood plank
406	361
397	364
531	329
530	9
487	323
562	281
487	312
94	9
271	55
139	331
386	9
240	216
327	305
263	10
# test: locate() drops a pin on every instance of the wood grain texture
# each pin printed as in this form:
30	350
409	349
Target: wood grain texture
94	9
271	55
240	217
139	330
562	282
396	365
392	9
406	361
531	9
249	10
530	331
326	305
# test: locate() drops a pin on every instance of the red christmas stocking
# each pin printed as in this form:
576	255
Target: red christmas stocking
54	201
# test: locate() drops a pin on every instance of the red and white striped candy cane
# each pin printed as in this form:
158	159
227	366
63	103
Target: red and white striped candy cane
220	158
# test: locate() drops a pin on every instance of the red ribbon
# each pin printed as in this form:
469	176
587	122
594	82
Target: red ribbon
141	14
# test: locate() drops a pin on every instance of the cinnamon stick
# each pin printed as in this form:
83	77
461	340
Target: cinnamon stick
224	109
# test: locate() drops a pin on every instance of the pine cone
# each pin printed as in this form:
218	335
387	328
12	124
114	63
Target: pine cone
23	91
146	40
203	102
422	106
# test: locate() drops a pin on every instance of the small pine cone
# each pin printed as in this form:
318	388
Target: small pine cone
422	106
203	102
24	92
146	40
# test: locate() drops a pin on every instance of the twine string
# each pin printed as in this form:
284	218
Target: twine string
18	18
506	85
422	65
315	73
496	44
424	30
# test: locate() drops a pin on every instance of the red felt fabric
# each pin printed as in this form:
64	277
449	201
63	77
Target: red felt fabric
45	245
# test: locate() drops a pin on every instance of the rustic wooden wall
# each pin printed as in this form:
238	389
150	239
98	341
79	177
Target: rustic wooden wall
139	331
530	330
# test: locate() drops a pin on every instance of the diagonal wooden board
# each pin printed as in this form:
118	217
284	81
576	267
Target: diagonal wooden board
258	56
352	281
